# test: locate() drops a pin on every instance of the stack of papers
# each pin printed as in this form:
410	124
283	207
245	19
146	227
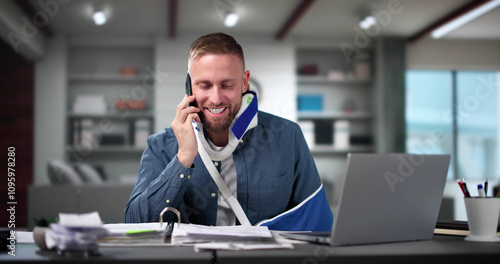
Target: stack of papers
200	236
226	237
135	234
191	233
76	232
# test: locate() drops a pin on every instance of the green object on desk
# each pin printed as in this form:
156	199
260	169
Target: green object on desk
139	232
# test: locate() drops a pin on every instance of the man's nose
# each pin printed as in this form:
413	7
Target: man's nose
216	95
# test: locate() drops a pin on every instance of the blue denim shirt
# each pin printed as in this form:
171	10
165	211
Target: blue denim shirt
275	172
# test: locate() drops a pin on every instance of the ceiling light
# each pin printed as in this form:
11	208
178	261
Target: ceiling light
231	20
460	21
367	23
99	18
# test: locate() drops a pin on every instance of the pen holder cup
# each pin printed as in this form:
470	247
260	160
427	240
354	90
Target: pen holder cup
482	216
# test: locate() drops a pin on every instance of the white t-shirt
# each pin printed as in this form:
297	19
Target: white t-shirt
225	215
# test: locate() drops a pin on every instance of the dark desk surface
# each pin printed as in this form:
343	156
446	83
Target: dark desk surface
446	248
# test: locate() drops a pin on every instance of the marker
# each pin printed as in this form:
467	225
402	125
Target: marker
139	232
486	187
480	190
462	187
467	193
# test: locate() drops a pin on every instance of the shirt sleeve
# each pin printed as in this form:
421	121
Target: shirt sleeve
161	182
311	211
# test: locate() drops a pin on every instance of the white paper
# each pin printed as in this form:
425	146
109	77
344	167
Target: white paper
240	246
80	220
24	237
75	232
191	233
231	231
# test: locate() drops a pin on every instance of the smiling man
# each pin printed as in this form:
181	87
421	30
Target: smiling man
223	162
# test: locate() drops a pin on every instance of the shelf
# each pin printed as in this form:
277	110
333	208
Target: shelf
102	77
118	114
326	80
328	149
321	115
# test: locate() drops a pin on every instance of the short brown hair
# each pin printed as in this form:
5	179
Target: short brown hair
216	43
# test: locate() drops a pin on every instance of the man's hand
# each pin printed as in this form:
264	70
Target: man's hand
183	129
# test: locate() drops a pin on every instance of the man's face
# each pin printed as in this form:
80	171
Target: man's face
218	82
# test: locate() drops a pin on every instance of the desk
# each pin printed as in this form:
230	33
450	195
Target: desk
446	248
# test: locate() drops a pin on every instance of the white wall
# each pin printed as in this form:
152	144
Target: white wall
270	62
50	107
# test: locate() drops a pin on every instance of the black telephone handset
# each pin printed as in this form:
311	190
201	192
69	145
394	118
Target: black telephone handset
189	90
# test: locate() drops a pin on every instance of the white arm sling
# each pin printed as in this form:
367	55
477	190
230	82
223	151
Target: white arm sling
245	120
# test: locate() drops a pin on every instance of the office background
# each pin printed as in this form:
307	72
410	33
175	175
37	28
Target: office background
391	88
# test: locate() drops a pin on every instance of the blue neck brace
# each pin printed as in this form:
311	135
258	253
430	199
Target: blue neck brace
245	120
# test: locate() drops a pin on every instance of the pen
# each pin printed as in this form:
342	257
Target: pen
461	187
486	187
480	190
467	194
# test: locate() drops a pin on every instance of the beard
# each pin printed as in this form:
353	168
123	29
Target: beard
218	125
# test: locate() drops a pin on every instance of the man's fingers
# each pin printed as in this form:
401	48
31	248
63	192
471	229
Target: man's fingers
183	110
193	116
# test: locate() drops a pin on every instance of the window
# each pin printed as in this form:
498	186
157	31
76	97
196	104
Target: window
455	113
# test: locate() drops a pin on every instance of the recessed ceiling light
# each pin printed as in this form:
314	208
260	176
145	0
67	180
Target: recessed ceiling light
367	23
231	20
99	18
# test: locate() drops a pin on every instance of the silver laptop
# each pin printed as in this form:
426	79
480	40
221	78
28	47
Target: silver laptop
386	198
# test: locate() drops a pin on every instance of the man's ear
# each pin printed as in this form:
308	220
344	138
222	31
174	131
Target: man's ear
246	77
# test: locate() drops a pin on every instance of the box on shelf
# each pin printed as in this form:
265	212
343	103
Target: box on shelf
336	75
113	140
362	66
308	131
341	134
83	133
129	71
309	69
361	140
89	104
323	132
310	102
142	128
130	104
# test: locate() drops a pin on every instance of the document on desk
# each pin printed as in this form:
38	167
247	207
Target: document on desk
202	237
241	246
226	237
191	233
136	234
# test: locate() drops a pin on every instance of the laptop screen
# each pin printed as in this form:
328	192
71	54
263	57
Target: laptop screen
389	198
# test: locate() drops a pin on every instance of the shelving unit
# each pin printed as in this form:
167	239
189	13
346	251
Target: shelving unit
345	90
339	92
98	131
